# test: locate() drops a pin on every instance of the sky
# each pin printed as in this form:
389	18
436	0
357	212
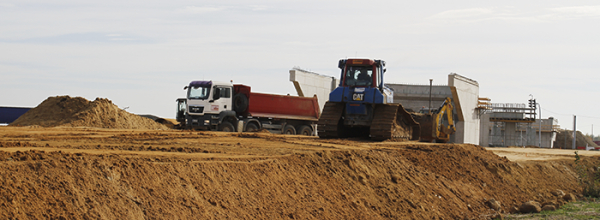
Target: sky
140	54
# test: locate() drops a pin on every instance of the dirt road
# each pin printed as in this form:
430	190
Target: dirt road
90	173
530	154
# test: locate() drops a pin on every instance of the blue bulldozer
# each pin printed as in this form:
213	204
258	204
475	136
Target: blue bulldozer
362	105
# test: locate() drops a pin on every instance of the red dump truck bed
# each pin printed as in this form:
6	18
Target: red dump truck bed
280	106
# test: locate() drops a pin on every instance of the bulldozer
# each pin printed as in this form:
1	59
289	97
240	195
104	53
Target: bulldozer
363	106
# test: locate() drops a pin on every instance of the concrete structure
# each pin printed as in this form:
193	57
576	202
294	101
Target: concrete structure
416	97
499	130
309	84
549	129
465	93
514	124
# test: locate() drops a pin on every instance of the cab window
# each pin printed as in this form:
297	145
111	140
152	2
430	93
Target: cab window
359	76
224	92
198	92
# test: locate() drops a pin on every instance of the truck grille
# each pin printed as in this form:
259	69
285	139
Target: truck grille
196	109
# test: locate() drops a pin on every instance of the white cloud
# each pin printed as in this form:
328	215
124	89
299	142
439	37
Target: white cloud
201	10
471	15
511	14
121	39
464	13
576	11
6	5
260	7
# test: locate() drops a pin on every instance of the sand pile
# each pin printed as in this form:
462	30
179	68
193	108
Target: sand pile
79	112
564	139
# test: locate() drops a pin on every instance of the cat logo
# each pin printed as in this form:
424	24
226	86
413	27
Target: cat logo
358	96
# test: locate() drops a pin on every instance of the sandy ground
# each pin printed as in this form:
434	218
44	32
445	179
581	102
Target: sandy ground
528	154
92	173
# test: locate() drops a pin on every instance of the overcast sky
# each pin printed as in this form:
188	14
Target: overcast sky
140	54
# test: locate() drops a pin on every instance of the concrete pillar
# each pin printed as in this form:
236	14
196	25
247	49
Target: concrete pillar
485	127
465	94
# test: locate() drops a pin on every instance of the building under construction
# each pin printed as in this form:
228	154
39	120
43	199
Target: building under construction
515	124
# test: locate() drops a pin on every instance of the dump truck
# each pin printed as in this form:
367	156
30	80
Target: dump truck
362	105
223	106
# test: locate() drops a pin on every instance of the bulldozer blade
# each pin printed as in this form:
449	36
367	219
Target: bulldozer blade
392	121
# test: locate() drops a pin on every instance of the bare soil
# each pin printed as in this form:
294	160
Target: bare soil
540	154
99	173
66	111
564	140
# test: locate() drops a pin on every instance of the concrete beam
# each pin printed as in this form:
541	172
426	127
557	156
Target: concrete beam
309	84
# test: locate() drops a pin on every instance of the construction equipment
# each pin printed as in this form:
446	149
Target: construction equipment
437	125
222	106
362	105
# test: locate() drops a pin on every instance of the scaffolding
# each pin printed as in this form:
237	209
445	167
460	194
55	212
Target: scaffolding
512	112
511	125
504	134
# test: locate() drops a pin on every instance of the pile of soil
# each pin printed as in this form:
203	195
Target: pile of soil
66	111
215	175
564	140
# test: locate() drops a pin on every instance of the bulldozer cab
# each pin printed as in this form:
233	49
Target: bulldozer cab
361	82
362	73
358	76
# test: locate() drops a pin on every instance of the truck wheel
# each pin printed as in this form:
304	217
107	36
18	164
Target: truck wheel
305	130
251	127
226	127
240	103
289	129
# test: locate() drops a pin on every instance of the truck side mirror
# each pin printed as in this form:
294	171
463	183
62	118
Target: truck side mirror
217	94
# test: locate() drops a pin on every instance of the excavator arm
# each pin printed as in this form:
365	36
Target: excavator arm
443	131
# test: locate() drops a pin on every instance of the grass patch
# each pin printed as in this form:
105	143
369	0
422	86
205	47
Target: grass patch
589	176
573	210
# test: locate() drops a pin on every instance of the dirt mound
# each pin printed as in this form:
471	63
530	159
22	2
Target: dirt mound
79	112
564	140
170	123
217	175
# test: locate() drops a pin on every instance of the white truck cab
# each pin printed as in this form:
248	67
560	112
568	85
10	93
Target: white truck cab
208	102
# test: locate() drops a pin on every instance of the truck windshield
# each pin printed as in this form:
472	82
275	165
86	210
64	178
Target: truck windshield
359	76
198	92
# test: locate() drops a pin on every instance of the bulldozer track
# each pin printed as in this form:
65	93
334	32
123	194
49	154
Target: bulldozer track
388	123
327	126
